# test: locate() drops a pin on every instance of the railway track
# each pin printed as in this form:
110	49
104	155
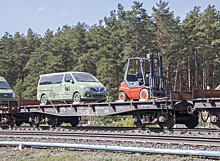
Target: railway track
209	141
185	137
200	132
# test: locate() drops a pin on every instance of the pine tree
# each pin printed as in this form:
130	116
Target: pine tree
207	33
168	40
8	63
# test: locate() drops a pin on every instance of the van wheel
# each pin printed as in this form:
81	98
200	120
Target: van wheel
44	99
76	97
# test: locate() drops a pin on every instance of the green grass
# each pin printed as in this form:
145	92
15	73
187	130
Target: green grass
57	154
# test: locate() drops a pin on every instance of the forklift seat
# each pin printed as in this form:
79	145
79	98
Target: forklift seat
139	75
131	78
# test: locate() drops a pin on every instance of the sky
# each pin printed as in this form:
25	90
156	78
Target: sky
40	15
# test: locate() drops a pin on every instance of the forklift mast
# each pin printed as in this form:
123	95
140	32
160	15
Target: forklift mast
156	70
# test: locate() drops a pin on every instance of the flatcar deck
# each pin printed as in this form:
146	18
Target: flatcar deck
180	107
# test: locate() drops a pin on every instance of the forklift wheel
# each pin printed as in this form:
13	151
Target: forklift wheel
122	96
144	94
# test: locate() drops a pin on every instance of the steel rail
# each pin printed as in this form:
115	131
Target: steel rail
129	129
215	141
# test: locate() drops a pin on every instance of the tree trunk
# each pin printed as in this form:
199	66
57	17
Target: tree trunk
203	77
176	76
189	75
207	70
196	66
213	77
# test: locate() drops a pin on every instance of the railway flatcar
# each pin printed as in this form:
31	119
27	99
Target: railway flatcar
149	103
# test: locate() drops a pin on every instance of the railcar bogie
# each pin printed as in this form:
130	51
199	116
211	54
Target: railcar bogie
165	119
215	119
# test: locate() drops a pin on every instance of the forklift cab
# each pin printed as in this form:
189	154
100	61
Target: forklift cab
134	74
143	78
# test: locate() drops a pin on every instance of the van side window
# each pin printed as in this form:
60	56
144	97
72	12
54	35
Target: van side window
56	79
51	79
45	80
68	78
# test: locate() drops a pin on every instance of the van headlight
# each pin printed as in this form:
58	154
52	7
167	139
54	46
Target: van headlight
13	95
84	88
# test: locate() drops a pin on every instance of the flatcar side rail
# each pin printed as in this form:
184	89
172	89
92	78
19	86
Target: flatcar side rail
96	109
198	93
206	99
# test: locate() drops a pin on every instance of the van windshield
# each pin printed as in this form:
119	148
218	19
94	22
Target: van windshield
4	85
84	77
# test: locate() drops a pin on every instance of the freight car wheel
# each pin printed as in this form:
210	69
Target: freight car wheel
11	122
168	123
122	96
137	121
76	97
18	123
35	121
74	121
144	94
59	123
139	124
192	122
53	122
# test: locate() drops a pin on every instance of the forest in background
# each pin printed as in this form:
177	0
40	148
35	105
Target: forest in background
190	49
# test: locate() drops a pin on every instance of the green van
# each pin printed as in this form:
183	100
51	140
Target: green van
6	92
70	86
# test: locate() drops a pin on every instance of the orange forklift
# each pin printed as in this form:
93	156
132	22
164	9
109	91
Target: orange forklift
143	79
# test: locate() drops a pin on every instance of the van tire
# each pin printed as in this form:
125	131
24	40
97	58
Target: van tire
44	99
76	97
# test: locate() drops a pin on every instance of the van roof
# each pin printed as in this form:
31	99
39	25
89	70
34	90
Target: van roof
61	73
2	79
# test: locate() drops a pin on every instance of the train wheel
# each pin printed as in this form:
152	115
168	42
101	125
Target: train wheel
192	122
137	121
35	121
59	123
74	121
53	122
122	96
144	94
44	99
18	123
168	123
76	97
11	121
216	125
